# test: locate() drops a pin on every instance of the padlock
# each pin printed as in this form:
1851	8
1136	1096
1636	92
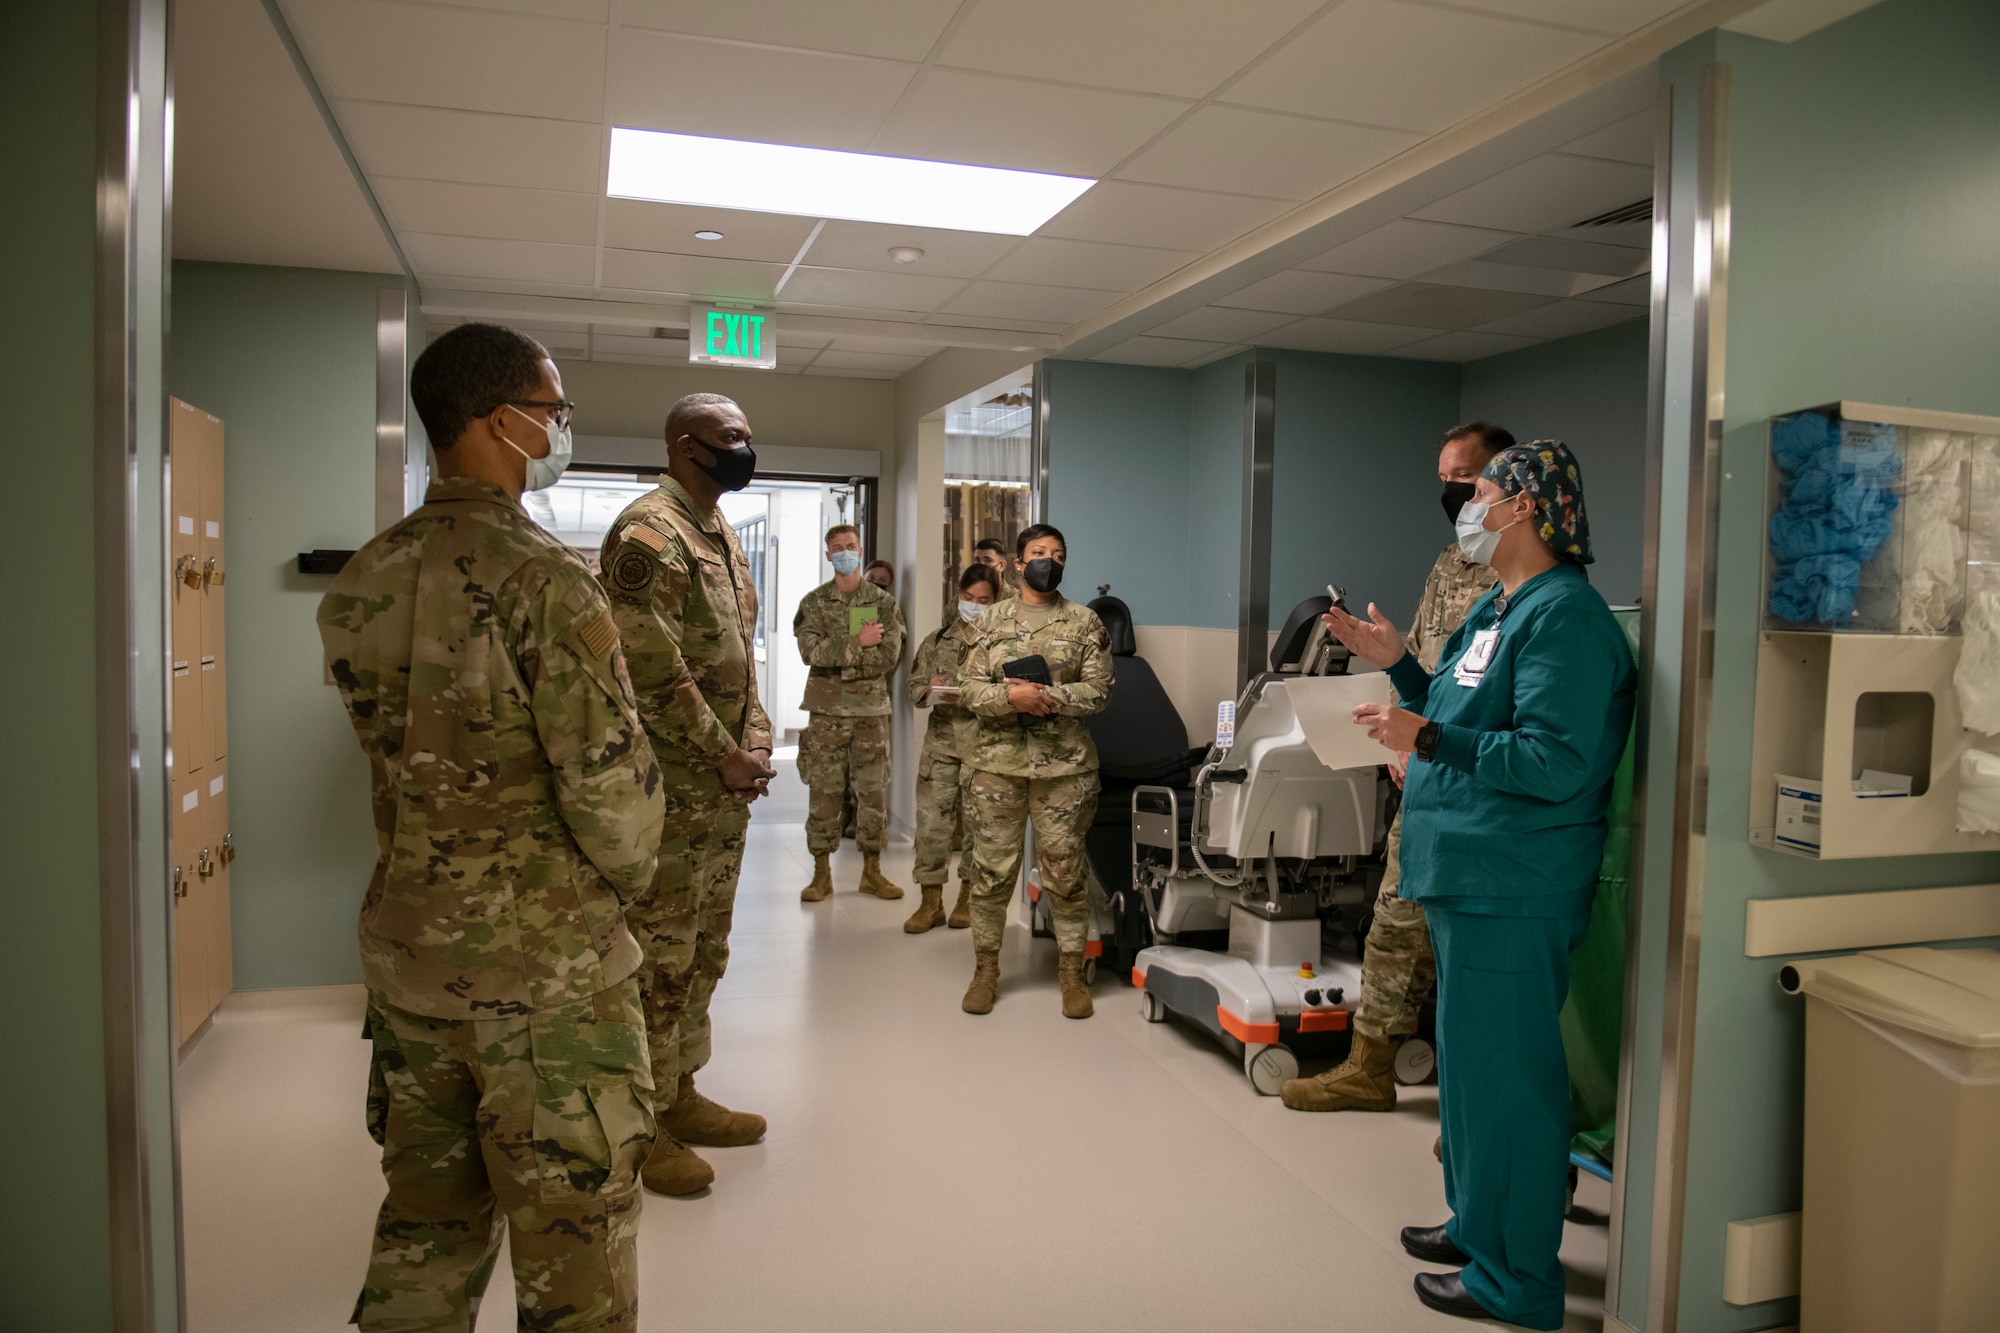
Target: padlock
204	865
180	883
228	852
187	571
209	573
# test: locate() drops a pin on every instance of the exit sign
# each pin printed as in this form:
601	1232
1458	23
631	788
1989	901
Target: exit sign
731	337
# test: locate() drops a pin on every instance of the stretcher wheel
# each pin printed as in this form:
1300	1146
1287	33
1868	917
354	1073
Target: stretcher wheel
1416	1062
1152	1007
1090	971
1269	1068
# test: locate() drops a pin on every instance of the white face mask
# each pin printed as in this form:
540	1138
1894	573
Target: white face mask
1475	543
970	610
542	472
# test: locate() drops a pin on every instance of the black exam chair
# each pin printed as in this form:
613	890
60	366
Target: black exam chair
1141	742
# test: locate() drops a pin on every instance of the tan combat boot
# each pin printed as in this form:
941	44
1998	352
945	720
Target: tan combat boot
961	912
1075	995
872	879
822	880
1362	1082
985	987
674	1168
693	1118
929	913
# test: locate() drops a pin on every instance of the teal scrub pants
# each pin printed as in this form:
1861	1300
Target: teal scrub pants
1503	1098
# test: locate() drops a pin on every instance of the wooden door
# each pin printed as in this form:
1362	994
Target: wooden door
184	454
222	850
193	924
214	657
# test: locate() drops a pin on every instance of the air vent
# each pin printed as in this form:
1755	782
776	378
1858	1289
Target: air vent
1622	217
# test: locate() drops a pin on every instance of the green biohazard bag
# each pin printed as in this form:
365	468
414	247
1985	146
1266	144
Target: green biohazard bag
1593	1015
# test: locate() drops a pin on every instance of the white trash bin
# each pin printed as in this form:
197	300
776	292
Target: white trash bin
1901	1225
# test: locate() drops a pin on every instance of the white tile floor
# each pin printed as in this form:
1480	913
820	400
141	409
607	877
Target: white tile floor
925	1169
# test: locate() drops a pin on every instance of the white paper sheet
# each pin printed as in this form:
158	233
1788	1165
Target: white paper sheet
1325	707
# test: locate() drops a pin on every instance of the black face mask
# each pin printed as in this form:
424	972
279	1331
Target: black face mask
1456	494
1043	575
732	468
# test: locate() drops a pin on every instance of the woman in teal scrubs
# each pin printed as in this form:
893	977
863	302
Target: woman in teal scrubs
1515	741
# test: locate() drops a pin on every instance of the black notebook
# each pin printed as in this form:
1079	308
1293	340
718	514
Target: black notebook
1034	670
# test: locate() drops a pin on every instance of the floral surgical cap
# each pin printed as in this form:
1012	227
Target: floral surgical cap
1548	472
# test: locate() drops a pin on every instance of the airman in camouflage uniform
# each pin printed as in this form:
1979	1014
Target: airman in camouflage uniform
1397	967
941	774
846	740
686	608
1045	772
517	807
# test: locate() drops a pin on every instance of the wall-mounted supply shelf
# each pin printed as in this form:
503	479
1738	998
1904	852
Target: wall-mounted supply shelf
1831	706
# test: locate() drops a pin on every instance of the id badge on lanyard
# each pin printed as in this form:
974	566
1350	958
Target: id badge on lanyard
1478	655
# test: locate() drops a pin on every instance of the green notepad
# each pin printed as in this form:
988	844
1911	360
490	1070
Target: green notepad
857	616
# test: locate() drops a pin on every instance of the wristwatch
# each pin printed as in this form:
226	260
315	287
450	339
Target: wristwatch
1427	740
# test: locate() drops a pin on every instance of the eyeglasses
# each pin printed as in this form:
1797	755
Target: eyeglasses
563	408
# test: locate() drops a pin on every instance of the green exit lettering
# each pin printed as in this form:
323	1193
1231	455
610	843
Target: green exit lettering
734	335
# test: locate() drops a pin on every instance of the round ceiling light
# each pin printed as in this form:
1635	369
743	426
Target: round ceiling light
708	236
905	254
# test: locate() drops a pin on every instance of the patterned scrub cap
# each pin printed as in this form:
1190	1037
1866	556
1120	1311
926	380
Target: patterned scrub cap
1548	472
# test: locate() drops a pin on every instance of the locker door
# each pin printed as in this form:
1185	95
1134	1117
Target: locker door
214	662
191	925
215	800
184	508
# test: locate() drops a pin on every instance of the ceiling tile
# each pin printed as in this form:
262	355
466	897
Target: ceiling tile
1611	261
592	11
1343	335
1407	248
1564	319
842	373
714	279
516	64
1065	263
640	224
475	257
1632	291
1133	214
1516	278
1464	346
1300	293
953	116
1425	305
1148	351
883	291
636	343
498	211
855	342
1628	140
790	97
1610	16
835	359
897	29
1253	152
1545	193
1182	47
432	144
1014	300
948	254
1217	323
1407	66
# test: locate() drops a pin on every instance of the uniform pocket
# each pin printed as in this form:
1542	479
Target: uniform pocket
591	1137
625	1113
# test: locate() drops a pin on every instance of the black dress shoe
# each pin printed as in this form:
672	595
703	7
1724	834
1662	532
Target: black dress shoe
1445	1292
1433	1246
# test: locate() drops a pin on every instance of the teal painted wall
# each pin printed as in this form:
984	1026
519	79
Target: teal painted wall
286	357
54	1220
1118	467
1215	492
1590	392
1354	480
1866	264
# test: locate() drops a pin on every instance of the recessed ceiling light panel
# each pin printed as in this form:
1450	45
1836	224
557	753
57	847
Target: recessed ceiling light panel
708	236
821	183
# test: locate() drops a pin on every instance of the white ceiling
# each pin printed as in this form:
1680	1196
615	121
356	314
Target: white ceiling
482	127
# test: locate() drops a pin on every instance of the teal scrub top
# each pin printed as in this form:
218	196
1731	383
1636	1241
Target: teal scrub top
1510	814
